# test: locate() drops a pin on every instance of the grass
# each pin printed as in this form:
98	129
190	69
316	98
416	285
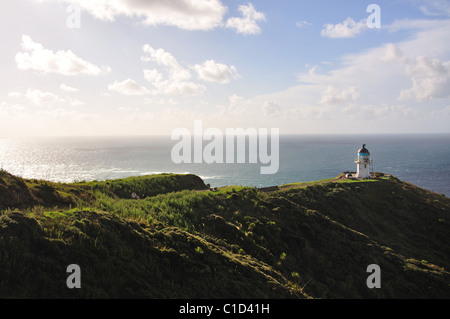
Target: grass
328	180
147	186
307	240
22	193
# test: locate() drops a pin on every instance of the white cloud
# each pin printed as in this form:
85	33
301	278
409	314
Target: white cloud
68	89
332	95
128	87
216	72
392	54
248	23
444	112
380	111
347	29
160	101
153	76
430	79
419	25
237	107
40	98
74	102
271	109
435	7
164	58
160	56
170	87
8	109
36	57
303	23
368	86
184	14
177	81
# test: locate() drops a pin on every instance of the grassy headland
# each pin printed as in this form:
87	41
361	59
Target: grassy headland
179	241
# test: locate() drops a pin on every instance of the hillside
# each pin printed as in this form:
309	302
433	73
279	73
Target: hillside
16	192
303	241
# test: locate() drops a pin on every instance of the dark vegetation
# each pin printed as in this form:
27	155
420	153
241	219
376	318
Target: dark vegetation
180	241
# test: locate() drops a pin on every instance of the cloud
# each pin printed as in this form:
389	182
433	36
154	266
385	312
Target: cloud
430	79
303	23
160	56
216	72
184	14
271	109
416	24
7	109
73	102
347	29
333	96
435	8
177	72
153	76
161	101
170	87
392	54
237	108
40	98
380	111
128	87
248	23
36	57
444	112
383	85
68	89
178	77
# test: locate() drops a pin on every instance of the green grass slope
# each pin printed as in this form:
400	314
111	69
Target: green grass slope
16	192
180	242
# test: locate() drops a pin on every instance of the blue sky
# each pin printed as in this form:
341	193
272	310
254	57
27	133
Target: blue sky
135	67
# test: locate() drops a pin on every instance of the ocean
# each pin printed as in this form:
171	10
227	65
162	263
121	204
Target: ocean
423	160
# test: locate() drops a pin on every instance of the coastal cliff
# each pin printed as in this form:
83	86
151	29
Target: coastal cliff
174	238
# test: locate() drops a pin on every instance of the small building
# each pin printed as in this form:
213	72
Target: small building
363	163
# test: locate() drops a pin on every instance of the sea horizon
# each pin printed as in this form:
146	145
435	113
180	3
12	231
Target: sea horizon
422	159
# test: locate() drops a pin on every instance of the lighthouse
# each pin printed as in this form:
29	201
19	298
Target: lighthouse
363	163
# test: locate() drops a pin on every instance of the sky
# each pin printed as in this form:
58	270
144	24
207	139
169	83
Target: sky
136	67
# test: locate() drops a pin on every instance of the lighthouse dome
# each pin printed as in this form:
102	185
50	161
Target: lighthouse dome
363	150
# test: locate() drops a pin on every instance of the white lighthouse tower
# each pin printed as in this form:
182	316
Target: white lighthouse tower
363	163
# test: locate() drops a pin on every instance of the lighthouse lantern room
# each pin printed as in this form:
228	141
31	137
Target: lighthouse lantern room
363	163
